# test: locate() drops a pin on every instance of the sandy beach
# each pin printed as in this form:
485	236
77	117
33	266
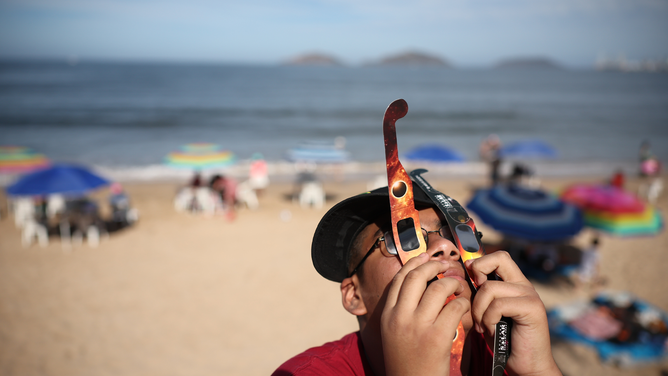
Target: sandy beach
179	294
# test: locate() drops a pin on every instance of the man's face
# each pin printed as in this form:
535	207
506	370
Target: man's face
378	270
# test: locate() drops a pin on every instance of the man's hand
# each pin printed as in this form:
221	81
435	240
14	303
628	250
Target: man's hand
516	298
417	329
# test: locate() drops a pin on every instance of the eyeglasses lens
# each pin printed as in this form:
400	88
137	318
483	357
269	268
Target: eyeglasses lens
391	250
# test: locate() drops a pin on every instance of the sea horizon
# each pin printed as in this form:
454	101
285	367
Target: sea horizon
77	60
126	117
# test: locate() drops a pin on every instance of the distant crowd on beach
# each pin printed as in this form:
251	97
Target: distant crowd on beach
649	169
546	256
71	217
222	194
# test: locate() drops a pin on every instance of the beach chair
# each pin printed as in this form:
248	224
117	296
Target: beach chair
65	234
312	194
132	216
24	210
122	213
654	190
246	195
183	199
83	217
34	230
92	231
93	236
55	205
206	201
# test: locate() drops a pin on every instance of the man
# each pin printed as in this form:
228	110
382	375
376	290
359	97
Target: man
226	188
404	326
490	151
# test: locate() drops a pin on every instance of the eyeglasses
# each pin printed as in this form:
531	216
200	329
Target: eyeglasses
391	250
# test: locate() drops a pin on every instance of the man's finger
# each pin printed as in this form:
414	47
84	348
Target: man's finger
498	262
398	280
435	296
494	290
415	283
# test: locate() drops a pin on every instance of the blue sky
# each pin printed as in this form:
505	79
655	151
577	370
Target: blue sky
466	32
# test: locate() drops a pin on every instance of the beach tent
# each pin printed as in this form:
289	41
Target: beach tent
434	153
198	156
526	213
528	149
66	179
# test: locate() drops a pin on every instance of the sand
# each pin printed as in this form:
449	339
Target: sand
179	294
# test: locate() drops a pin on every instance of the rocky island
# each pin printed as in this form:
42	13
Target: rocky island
413	59
527	63
314	59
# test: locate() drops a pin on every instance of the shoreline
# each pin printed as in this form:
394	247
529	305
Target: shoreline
355	170
284	171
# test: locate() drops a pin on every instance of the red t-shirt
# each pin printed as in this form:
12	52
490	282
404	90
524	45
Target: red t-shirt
346	357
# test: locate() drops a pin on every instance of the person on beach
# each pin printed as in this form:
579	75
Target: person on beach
226	188
650	186
196	180
588	271
258	175
490	152
119	203
617	179
404	327
117	197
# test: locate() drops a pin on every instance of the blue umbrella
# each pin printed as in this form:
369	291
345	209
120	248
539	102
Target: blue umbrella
529	149
434	153
59	178
526	213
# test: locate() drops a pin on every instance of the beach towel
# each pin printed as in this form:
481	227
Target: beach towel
623	329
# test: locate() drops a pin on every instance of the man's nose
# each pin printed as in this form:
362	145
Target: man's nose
441	248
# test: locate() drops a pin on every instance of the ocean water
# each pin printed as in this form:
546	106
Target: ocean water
129	116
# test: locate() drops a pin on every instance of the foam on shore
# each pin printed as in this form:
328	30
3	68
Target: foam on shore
286	171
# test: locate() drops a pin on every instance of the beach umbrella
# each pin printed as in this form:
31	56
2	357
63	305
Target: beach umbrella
19	159
613	210
525	213
648	222
200	156
200	147
528	149
59	178
434	153
317	152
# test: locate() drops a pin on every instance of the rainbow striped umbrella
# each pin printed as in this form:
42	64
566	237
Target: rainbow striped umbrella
647	222
20	159
200	156
614	210
200	147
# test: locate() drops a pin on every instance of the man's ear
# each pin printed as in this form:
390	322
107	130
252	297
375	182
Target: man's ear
351	296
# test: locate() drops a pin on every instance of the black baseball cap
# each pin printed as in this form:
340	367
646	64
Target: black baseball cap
338	228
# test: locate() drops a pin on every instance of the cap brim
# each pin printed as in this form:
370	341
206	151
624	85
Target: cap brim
338	228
